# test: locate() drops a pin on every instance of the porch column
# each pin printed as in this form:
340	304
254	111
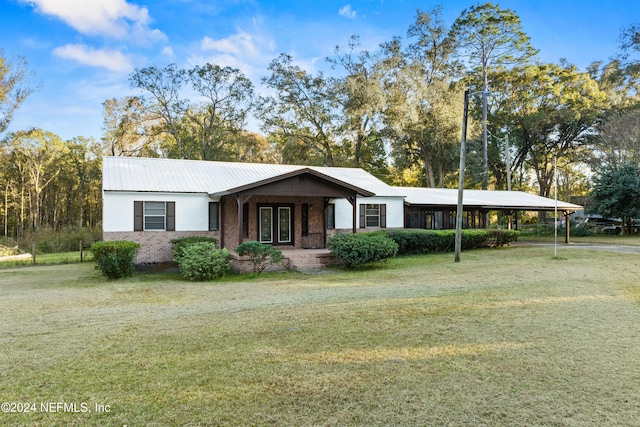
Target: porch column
567	227
241	199
354	216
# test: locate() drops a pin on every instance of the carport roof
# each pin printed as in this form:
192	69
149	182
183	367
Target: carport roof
483	199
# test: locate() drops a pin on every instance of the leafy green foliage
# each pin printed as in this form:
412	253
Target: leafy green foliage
500	238
616	192
202	261
418	241
356	249
261	255
180	243
115	258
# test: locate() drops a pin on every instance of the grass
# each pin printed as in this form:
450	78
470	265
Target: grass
46	259
596	238
506	337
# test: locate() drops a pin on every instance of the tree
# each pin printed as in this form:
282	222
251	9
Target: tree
164	102
126	128
617	141
228	97
301	117
362	98
616	193
490	37
424	116
14	88
39	153
548	110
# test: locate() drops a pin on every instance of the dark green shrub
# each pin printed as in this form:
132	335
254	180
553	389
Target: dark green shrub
355	249
181	242
472	239
499	238
202	261
261	255
115	259
419	241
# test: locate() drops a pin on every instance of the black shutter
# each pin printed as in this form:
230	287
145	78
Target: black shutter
383	216
363	219
138	217
171	216
305	219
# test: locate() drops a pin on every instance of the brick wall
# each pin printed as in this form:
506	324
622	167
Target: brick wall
155	246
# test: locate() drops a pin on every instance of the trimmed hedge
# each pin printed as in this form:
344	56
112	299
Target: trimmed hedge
115	258
355	249
181	242
261	255
202	261
419	241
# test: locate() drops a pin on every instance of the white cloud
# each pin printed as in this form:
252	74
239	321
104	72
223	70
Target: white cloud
248	52
347	12
240	44
104	58
168	52
112	18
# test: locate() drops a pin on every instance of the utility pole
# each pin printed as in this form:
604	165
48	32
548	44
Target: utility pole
463	155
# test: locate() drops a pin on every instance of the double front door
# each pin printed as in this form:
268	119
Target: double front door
275	224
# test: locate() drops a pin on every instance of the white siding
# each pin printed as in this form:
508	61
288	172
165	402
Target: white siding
344	211
192	210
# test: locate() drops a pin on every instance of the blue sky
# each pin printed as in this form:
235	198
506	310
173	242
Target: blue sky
82	51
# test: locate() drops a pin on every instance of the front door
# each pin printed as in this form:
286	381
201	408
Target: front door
275	224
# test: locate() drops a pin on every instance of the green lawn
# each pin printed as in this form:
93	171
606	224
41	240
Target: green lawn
507	337
45	259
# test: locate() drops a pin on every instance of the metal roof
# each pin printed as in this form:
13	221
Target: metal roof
484	199
140	174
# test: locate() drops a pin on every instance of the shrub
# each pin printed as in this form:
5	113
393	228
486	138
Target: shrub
181	242
202	261
499	238
355	249
419	241
9	251
115	259
261	255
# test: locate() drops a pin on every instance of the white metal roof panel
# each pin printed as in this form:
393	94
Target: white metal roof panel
196	176
489	199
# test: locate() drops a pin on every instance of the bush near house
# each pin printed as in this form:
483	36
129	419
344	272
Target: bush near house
261	255
181	243
202	261
499	238
356	249
114	259
419	241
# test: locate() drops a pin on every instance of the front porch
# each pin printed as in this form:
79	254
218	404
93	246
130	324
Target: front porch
294	259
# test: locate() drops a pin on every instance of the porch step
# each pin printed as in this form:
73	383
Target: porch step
309	259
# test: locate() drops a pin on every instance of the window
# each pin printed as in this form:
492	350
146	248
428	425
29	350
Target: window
154	216
284	224
373	216
213	215
331	216
266	225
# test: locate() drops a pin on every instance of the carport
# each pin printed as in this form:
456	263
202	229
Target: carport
435	208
